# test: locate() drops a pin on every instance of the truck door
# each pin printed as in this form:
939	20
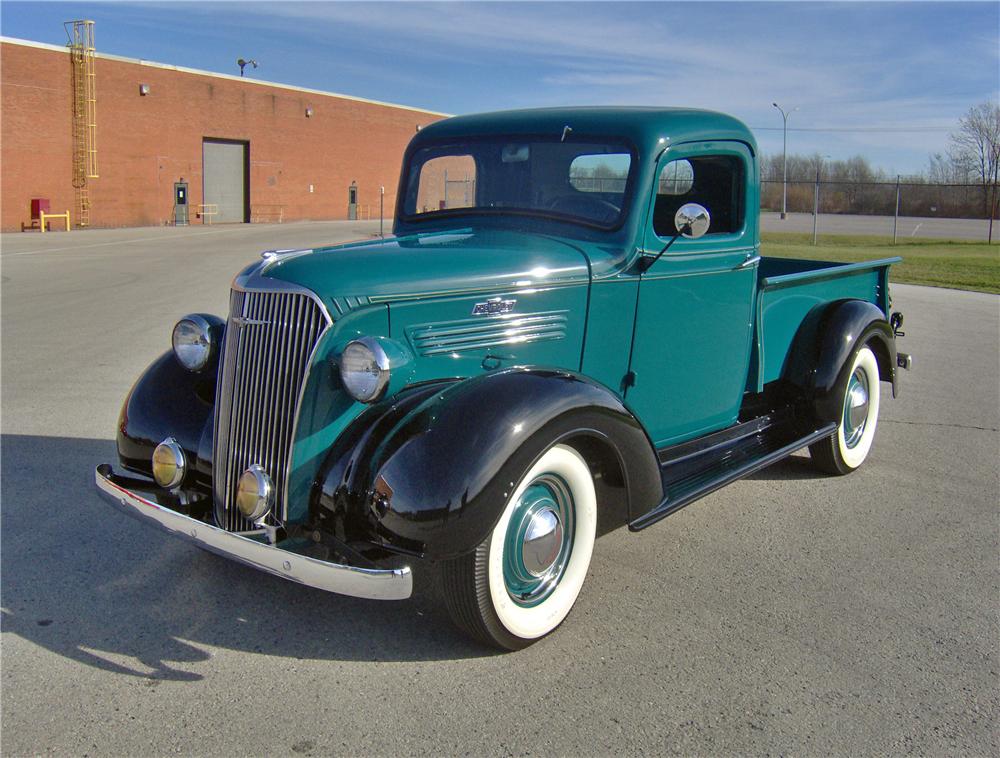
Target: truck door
693	325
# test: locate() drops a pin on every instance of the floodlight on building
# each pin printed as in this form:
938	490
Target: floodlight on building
242	63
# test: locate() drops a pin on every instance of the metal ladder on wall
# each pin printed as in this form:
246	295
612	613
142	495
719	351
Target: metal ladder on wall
81	45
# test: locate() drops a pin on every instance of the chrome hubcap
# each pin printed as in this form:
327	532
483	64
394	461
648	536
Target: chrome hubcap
539	540
856	408
542	541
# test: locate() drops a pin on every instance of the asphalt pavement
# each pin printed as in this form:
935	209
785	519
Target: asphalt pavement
788	613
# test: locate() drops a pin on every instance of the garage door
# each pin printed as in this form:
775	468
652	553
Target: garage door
225	172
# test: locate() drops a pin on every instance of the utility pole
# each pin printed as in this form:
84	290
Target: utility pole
784	157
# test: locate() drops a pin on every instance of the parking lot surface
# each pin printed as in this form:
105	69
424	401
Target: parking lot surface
788	613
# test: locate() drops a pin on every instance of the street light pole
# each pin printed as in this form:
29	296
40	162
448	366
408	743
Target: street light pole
784	157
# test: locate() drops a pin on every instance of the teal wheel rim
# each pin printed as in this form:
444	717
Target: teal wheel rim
539	540
856	408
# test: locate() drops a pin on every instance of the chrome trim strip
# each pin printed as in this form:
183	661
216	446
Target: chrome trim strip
255	281
509	321
295	415
522	340
513	289
476	334
374	584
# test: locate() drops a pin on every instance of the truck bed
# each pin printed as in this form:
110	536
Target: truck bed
788	289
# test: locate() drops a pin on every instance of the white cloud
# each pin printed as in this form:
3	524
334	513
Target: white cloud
845	66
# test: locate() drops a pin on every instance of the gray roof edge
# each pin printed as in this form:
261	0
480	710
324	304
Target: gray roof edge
199	72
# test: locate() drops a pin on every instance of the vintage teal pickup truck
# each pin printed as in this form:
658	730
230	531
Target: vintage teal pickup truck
571	330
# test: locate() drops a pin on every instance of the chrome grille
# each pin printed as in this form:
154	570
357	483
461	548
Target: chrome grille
270	338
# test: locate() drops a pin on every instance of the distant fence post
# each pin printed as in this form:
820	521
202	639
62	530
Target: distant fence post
994	204
816	207
381	211
895	218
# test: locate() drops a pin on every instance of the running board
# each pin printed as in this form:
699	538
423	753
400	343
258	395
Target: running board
691	475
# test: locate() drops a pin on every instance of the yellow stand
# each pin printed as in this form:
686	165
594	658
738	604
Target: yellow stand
207	211
46	216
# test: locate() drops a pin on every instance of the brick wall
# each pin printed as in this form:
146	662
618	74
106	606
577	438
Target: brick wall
146	143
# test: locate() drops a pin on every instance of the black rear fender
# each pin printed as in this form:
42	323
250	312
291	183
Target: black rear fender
825	344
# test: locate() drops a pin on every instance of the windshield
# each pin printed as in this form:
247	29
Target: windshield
577	181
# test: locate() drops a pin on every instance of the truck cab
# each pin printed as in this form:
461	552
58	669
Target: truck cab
571	330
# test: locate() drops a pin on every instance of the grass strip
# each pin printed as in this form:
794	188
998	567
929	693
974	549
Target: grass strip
935	263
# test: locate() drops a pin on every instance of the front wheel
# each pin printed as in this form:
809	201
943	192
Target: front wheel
522	580
843	452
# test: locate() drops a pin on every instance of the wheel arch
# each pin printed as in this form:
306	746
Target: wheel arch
823	348
430	471
610	478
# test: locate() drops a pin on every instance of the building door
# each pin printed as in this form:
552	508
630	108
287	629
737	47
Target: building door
226	180
352	201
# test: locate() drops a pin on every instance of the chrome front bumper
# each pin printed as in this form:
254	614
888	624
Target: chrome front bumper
376	584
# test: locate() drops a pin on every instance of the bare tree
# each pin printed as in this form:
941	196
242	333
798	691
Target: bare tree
942	169
976	147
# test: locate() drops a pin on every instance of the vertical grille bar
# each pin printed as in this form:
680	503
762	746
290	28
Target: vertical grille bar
270	338
223	397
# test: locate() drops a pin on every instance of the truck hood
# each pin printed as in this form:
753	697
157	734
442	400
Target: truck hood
437	263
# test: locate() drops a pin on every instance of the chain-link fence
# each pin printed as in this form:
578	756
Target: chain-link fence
879	198
912	200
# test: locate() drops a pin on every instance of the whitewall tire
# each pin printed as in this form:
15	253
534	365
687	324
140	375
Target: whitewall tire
523	579
845	451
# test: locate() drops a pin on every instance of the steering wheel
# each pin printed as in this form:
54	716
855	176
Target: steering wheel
586	206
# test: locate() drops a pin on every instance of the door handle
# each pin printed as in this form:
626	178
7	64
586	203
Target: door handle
752	260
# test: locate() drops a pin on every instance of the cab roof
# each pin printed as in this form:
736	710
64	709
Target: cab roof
643	126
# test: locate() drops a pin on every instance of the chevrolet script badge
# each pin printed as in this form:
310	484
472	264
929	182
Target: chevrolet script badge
494	306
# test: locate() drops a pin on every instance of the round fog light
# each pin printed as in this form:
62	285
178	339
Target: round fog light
254	493
169	464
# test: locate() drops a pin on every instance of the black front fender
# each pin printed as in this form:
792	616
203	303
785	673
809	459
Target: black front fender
169	401
432	472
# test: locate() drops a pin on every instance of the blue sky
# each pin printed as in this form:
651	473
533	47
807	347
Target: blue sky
885	80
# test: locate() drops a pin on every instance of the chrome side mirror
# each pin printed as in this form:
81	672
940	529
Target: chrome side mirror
692	220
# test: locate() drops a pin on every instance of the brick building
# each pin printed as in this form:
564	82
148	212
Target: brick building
251	151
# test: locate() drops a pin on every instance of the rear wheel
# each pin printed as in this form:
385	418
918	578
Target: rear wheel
845	451
523	579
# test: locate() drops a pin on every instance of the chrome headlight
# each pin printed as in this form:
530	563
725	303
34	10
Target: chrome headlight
364	369
193	342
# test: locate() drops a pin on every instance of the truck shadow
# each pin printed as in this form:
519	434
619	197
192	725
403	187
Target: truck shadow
793	468
86	583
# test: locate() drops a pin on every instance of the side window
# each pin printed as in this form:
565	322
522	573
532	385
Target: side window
447	182
715	182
